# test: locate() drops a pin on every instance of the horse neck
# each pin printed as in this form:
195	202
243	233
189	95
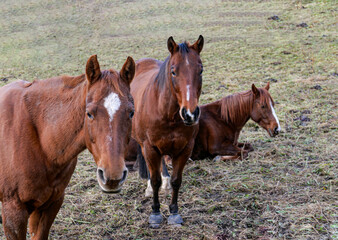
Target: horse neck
61	118
167	102
236	109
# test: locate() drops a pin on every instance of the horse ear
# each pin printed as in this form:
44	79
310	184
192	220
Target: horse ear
172	46
93	71
128	70
255	90
198	45
267	87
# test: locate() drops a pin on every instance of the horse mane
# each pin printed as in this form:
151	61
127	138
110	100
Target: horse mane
183	48
72	82
161	76
236	107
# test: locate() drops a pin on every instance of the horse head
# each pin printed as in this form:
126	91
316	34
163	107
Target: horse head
185	71
109	109
263	111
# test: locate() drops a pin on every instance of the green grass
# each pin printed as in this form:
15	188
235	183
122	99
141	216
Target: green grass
286	189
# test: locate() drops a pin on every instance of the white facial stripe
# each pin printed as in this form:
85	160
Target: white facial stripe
190	114
187	61
275	116
112	104
188	93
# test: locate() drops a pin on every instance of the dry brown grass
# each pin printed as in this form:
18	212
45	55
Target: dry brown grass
286	189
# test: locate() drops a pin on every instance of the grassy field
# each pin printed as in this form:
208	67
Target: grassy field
286	189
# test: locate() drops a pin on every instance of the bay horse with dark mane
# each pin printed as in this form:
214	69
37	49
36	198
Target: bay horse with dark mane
166	117
222	121
44	125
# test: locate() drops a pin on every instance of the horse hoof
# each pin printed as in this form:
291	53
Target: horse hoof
155	226
155	219
175	219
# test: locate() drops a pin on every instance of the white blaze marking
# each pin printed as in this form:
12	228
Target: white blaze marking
112	104
190	114
186	60
109	138
188	93
275	116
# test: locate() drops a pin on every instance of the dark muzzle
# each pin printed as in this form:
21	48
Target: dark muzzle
190	118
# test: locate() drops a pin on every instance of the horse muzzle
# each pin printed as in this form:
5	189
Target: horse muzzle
189	118
109	185
274	132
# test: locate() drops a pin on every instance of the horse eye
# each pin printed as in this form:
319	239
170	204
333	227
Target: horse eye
173	73
131	114
91	117
263	106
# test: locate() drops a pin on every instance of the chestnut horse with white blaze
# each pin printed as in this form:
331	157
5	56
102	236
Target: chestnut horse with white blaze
222	121
44	126
166	117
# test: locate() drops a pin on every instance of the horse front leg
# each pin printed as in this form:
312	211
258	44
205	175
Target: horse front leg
166	187
176	181
247	146
14	219
227	151
153	160
144	173
40	221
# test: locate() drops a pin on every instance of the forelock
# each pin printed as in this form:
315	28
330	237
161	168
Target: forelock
264	96
183	48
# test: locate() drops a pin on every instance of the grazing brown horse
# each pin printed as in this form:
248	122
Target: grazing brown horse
222	121
166	115
44	125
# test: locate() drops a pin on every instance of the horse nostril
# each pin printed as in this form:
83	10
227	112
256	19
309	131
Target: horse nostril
276	131
184	113
124	177
197	113
101	176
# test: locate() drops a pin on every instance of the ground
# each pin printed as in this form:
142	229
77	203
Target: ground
286	189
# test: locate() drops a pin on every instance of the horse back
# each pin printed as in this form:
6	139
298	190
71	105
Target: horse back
146	70
25	169
13	120
11	96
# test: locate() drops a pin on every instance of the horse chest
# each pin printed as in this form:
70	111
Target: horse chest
47	186
172	141
172	145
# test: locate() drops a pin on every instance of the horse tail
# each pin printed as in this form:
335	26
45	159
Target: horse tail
142	165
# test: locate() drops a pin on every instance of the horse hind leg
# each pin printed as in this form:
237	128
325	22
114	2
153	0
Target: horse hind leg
228	151
165	176
40	221
14	220
166	186
247	146
143	171
240	155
